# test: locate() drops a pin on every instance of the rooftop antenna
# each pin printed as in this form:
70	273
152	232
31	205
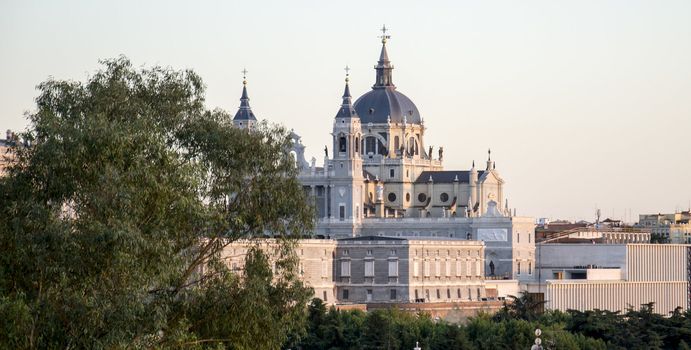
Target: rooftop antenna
598	213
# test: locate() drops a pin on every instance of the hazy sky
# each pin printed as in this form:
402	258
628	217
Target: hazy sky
584	104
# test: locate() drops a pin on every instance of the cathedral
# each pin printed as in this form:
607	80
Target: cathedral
379	179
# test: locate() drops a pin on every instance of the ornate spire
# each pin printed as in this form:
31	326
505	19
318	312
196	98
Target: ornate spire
489	159
384	67
346	93
347	110
245	111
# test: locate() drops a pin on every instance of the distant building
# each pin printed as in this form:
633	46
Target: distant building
5	158
585	276
315	267
675	228
377	270
386	269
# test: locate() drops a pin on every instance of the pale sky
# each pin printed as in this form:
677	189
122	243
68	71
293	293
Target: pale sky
585	104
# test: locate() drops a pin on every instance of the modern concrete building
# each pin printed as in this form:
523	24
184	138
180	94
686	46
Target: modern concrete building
614	276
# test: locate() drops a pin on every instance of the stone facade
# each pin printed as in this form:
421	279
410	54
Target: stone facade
315	265
383	269
386	269
676	227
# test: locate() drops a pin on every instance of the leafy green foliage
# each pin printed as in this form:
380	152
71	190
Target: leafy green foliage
128	188
635	329
596	330
526	307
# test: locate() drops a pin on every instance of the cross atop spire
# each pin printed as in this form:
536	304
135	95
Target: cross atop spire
347	110
383	35
244	112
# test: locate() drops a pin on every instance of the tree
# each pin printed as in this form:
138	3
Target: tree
128	186
526	307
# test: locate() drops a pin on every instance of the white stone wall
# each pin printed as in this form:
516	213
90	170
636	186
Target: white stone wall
315	262
649	273
615	295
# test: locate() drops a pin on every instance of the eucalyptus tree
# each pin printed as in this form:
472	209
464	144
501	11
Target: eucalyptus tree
125	186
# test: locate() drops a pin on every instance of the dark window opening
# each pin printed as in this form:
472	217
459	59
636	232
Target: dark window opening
342	144
421	197
444	197
392	197
370	145
578	275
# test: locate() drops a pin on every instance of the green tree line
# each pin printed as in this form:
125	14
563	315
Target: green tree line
512	327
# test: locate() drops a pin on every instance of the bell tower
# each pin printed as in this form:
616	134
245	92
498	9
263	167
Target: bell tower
347	176
244	118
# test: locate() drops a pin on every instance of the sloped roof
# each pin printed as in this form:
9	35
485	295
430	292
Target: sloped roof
446	176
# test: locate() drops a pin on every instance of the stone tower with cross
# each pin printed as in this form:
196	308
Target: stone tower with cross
244	118
346	167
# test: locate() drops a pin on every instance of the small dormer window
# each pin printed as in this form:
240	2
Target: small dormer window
342	121
371	111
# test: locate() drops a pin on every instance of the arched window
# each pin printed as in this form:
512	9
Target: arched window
411	145
396	144
357	144
342	144
370	145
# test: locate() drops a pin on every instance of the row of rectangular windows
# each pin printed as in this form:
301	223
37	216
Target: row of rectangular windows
345	293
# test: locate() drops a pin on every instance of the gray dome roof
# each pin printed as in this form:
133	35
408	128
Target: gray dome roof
377	105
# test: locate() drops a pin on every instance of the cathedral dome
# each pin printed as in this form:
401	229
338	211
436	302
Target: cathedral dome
380	104
384	103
